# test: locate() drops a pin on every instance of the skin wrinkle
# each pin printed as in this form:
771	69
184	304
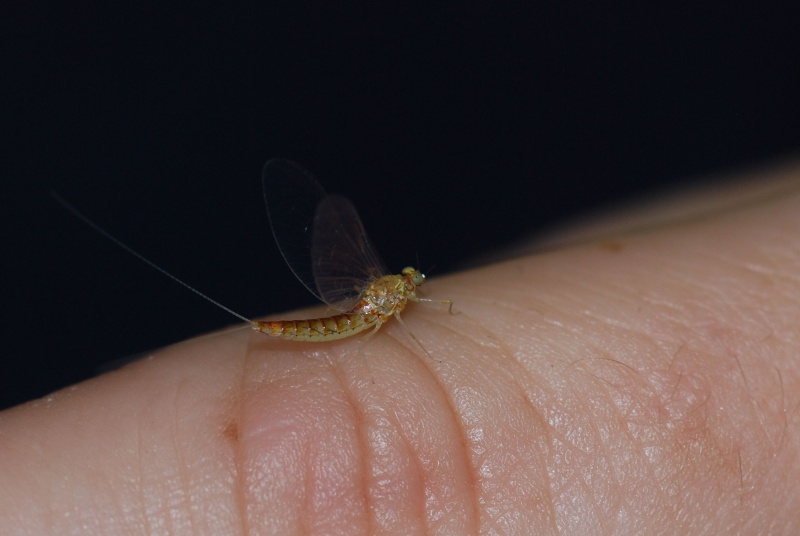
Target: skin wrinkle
743	376
605	448
177	470
464	440
142	467
536	417
363	445
744	387
181	465
415	457
784	412
690	413
721	297
503	298
741	489
648	388
725	386
753	401
560	460
785	428
537	414
420	470
141	473
633	441
674	388
396	340
310	516
237	417
319	368
701	406
413	337
255	355
611	510
605	385
305	509
715	464
752	463
703	432
788	418
257	477
548	431
765	409
502	470
423	360
159	508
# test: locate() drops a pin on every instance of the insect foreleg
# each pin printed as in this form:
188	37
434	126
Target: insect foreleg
443	302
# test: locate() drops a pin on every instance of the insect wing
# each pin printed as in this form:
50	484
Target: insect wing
321	237
292	196
344	259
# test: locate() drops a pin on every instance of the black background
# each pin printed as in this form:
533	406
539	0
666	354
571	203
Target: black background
454	130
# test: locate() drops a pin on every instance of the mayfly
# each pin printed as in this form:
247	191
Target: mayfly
344	271
324	243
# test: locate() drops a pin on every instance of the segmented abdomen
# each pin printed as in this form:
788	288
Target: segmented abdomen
318	329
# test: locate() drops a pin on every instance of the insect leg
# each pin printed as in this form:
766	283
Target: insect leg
443	302
416	340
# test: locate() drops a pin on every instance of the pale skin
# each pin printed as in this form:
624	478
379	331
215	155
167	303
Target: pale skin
643	383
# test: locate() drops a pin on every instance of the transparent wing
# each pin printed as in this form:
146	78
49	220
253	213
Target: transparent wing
292	195
344	260
320	237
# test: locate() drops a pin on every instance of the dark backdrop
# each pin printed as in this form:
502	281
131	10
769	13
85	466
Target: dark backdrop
454	131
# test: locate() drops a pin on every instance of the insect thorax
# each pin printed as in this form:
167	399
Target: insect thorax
386	295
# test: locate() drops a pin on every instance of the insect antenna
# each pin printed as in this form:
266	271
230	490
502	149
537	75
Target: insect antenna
419	265
85	219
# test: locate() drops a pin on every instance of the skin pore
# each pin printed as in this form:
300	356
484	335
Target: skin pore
644	383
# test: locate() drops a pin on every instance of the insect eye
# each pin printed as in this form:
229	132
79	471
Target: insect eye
417	277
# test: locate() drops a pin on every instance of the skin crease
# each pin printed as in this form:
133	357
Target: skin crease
642	384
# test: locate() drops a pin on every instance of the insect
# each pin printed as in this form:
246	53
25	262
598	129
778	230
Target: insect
324	243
